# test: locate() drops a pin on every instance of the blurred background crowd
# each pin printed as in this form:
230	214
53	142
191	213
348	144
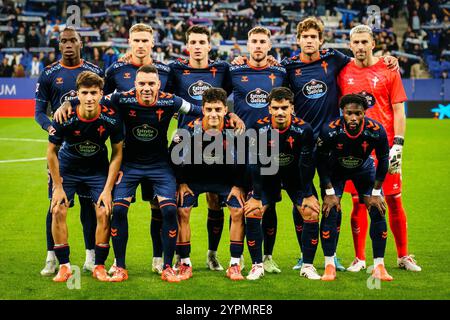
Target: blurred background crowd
417	32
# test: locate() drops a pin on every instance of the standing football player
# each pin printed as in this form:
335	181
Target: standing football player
83	160
383	88
344	150
56	84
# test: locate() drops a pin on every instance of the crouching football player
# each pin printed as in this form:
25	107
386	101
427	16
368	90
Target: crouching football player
83	161
295	173
344	147
211	140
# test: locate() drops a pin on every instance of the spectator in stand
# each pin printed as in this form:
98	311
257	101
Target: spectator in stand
97	58
405	66
109	57
425	13
415	21
51	58
295	50
6	70
159	55
42	38
35	68
19	71
32	40
20	38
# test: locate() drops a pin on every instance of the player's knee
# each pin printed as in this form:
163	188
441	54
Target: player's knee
169	210
59	213
237	215
213	201
184	215
309	214
102	217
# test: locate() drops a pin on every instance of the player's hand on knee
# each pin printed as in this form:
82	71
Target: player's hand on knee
312	203
106	199
330	201
377	202
59	197
239	60
238	193
62	114
183	189
253	208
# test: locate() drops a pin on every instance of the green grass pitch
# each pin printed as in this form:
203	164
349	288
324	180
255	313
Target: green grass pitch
24	204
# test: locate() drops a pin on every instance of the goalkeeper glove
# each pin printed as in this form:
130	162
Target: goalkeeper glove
395	155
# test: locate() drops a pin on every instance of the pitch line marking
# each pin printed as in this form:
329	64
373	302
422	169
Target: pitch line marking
23	139
22	160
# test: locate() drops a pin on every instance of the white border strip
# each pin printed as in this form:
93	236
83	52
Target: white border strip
20	139
22	160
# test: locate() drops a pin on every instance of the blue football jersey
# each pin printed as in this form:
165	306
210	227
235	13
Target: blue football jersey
315	86
56	84
146	126
190	83
83	147
120	76
251	88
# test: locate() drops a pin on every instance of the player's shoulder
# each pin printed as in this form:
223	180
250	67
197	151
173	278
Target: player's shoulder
334	125
51	69
190	125
279	69
300	125
161	66
167	99
219	63
262	123
180	63
91	67
372	125
289	61
109	115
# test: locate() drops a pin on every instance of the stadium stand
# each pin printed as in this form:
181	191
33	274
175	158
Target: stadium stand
417	32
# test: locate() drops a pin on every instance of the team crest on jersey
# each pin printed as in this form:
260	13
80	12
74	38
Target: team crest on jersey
59	80
68	96
257	98
127	75
314	89
369	97
87	148
197	89
298	72
284	159
350	162
244	79
145	133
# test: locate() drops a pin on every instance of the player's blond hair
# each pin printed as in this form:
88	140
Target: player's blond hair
310	23
361	28
259	29
141	27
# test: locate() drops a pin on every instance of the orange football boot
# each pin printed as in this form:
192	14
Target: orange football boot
169	275
234	272
119	275
100	273
330	273
63	275
185	272
380	272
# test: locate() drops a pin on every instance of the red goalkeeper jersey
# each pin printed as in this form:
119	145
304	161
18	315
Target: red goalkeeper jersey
382	87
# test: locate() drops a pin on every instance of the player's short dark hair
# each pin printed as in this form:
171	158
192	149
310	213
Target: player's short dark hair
70	29
281	93
353	99
215	95
198	29
147	68
89	79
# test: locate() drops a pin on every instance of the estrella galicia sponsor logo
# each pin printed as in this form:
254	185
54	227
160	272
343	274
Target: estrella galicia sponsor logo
350	162
197	88
257	98
68	96
369	97
87	148
145	133
314	89
283	159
